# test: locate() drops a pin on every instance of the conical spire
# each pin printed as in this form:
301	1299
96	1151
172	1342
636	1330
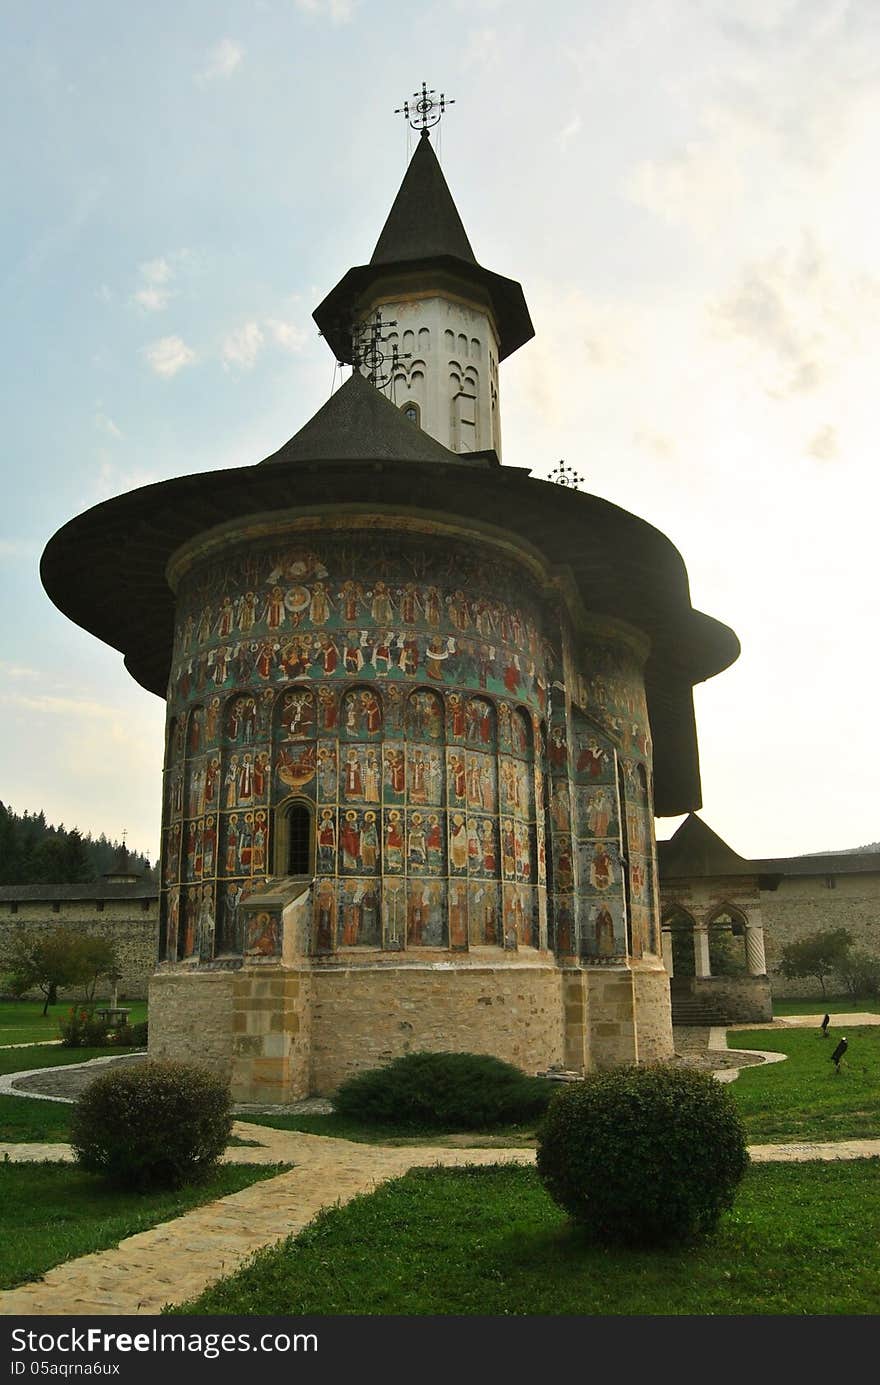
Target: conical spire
424	221
423	236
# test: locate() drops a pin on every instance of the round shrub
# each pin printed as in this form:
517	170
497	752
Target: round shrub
643	1156
457	1091
152	1125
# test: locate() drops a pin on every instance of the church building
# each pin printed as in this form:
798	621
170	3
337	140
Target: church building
422	709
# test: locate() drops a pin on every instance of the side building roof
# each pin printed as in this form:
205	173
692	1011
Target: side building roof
94	890
696	852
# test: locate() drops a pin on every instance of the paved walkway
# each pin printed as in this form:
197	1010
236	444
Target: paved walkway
178	1259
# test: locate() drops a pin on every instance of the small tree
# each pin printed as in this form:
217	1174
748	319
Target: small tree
860	973
98	959
817	955
50	962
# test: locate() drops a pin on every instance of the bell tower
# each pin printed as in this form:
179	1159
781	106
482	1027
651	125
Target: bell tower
423	320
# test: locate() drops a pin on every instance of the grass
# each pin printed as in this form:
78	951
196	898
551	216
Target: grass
801	1239
345	1128
801	1099
804	1098
50	1213
23	1120
833	1005
22	1021
50	1056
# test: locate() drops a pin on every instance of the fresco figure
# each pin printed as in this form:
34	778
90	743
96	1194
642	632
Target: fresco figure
603	926
601	869
350	841
263	935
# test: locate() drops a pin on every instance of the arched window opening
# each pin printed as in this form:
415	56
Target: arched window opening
299	839
727	942
680	926
410	410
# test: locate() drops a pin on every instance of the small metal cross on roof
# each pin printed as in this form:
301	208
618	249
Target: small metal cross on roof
565	475
425	110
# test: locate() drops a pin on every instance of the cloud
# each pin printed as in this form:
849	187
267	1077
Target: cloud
156	276
221	60
568	132
18	671
169	355
337	11
799	315
824	446
286	334
242	347
17	548
106	425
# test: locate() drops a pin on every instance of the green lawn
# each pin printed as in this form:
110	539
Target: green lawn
804	1098
344	1128
22	1021
838	1005
23	1120
801	1239
50	1213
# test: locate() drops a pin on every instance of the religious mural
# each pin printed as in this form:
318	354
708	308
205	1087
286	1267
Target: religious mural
419	709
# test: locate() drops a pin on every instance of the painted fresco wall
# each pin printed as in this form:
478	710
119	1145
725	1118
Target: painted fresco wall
459	761
599	818
393	683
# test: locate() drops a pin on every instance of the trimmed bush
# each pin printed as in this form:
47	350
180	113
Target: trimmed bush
153	1125
643	1156
451	1091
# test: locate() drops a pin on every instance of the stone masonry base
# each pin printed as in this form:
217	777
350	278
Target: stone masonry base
278	1033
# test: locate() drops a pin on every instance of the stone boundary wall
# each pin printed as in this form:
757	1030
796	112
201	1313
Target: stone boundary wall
134	931
805	904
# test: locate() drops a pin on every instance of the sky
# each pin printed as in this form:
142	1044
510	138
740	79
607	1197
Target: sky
686	189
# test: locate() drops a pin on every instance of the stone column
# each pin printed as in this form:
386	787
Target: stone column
755	959
666	946
701	952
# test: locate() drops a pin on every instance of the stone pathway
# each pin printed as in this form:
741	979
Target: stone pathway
178	1259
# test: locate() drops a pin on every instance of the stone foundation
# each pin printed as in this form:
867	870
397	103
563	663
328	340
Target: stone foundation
279	1033
363	1017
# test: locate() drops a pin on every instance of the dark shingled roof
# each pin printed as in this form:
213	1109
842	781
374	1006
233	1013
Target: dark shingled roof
106	568
423	219
695	850
424	233
358	424
95	889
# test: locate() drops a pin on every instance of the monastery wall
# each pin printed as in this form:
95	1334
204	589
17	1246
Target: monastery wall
132	929
808	904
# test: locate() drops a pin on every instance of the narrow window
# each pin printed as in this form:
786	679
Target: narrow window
299	840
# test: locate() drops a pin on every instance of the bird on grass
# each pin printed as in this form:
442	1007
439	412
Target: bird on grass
838	1054
826	1020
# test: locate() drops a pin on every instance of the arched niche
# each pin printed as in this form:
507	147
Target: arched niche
294	849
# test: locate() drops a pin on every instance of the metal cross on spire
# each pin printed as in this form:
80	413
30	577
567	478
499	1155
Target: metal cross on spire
425	109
